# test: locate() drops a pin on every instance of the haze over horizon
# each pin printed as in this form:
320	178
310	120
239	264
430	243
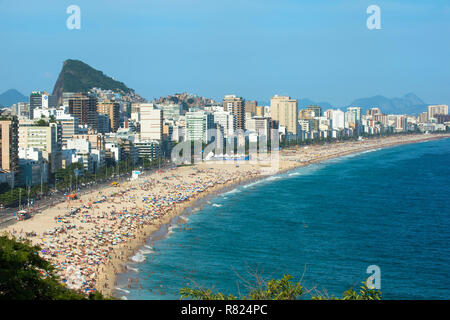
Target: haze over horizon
323	52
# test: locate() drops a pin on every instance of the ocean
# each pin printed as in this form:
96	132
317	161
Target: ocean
324	224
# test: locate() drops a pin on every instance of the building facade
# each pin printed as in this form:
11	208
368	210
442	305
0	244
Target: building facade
284	110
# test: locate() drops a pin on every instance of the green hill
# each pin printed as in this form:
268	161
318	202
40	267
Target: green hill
77	76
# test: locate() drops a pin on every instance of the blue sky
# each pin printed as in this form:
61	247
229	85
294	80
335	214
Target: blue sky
320	50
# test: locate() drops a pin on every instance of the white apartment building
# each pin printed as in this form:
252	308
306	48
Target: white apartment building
197	126
260	125
151	120
227	122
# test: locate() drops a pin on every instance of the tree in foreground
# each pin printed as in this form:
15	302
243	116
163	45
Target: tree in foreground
24	275
278	289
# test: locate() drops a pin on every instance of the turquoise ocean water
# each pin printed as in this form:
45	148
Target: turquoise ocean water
325	223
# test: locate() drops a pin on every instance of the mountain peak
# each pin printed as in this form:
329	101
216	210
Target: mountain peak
12	96
77	76
413	98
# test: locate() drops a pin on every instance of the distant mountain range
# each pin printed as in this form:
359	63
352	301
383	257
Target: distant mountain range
408	104
12	96
77	76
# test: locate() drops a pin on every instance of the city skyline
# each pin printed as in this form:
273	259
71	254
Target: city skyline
322	52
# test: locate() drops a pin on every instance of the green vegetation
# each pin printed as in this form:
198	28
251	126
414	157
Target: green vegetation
41	123
77	76
277	289
24	275
52	119
66	180
10	197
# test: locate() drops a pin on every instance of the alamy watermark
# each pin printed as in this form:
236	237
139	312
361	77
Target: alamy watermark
374	280
374	20
74	20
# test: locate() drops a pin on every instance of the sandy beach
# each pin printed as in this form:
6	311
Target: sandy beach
89	239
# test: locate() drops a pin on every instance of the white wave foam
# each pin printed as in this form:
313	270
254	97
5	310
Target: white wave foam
123	290
272	178
138	257
253	184
132	269
233	191
148	250
216	205
185	219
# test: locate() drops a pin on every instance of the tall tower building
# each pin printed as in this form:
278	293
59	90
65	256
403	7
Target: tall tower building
283	109
337	118
151	120
84	107
250	106
356	111
198	125
110	108
42	100
45	138
9	144
236	106
438	109
227	121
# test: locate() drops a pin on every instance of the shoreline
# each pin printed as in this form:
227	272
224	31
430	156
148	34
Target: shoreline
105	274
217	191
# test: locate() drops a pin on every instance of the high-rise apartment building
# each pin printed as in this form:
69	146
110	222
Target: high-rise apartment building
22	110
151	120
354	114
250	106
69	127
438	109
42	100
398	122
337	118
198	125
236	106
227	122
44	138
112	109
260	125
9	140
84	107
283	109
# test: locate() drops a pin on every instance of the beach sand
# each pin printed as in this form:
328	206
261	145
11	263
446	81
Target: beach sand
90	246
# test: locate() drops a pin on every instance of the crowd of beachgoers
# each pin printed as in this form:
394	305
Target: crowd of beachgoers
88	239
84	233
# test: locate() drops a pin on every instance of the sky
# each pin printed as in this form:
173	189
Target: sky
316	49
